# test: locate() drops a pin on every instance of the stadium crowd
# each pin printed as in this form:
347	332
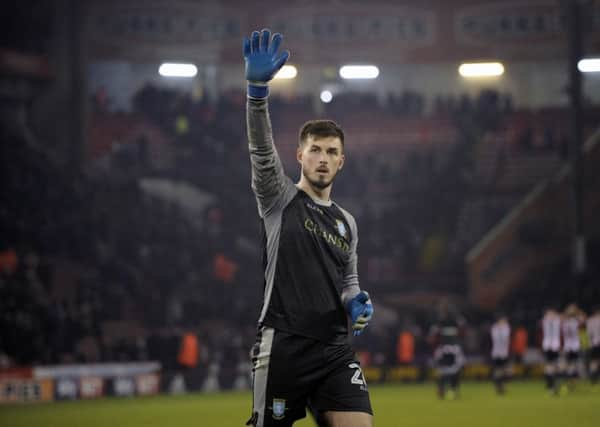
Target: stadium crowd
95	266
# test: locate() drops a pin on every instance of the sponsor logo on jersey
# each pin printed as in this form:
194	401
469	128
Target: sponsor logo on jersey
449	331
278	408
329	238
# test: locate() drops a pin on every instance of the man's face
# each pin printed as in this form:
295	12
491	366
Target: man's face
321	159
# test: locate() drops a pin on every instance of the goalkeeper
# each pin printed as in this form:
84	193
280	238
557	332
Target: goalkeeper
302	357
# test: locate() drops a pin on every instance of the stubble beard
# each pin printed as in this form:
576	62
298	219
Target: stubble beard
317	183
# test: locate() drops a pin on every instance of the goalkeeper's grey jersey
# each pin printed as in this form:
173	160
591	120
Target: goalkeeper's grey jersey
310	263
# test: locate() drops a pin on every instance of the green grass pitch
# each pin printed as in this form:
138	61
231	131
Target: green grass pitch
525	405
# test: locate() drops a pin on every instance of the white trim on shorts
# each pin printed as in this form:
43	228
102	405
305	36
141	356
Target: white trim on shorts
261	373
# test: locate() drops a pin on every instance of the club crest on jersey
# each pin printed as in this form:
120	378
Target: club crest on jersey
341	227
278	408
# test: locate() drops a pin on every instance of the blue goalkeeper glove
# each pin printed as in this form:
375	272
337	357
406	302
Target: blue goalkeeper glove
360	310
262	61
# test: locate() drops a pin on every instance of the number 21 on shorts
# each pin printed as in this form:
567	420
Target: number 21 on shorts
358	377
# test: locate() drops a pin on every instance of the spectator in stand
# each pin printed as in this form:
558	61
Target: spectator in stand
519	343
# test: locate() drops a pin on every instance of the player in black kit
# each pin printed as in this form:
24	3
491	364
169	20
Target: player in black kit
302	357
448	356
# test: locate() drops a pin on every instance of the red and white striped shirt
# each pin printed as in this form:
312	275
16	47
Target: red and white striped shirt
551	331
593	329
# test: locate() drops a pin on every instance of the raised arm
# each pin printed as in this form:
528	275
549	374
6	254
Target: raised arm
269	182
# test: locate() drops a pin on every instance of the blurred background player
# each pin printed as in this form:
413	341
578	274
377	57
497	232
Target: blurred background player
570	324
500	335
448	356
551	324
593	331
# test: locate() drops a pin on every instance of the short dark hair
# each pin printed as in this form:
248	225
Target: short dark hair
320	129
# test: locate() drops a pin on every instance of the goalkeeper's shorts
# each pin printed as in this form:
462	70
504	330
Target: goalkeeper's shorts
292	372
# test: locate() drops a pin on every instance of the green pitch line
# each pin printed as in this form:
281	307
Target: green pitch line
525	405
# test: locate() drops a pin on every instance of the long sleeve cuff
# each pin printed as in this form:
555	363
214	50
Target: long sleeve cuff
258	90
348	293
